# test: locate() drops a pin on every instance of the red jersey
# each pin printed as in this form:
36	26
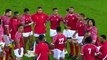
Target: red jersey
1	33
42	50
71	20
93	31
6	22
80	28
14	22
55	21
19	37
103	51
88	51
59	41
26	19
40	23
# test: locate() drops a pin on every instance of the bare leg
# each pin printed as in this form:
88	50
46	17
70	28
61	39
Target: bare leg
25	41
30	41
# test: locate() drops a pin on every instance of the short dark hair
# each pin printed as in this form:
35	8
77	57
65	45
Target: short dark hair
16	12
93	21
67	10
7	10
58	29
55	9
39	7
71	7
41	37
20	25
26	10
88	40
82	14
103	36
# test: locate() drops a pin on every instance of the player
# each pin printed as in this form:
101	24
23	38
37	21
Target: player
80	28
88	50
71	20
55	20
18	48
42	49
59	43
93	30
39	19
14	22
67	31
27	22
103	49
6	21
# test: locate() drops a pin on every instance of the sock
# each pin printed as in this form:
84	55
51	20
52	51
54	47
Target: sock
72	48
77	49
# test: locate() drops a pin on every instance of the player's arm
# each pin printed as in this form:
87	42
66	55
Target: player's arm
97	51
74	35
17	43
82	53
53	41
47	18
65	24
37	51
28	24
95	35
7	29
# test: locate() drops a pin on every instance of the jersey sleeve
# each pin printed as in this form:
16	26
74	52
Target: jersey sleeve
37	51
94	34
97	50
49	18
32	17
17	36
54	40
22	19
82	51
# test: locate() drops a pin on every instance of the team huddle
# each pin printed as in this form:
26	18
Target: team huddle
79	31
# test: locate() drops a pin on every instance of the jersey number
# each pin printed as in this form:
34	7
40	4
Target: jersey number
61	41
89	49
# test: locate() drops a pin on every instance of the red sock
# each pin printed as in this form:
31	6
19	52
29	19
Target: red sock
8	53
77	49
72	48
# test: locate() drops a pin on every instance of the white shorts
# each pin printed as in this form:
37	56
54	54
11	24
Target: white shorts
69	33
52	32
37	35
59	54
6	39
27	34
17	54
80	38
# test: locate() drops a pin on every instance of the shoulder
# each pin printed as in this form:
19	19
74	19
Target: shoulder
34	15
59	16
2	17
18	34
44	14
93	45
22	16
84	46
